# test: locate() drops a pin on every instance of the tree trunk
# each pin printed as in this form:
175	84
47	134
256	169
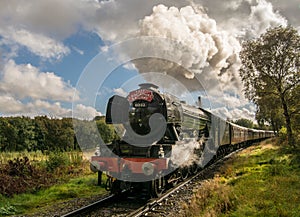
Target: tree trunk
274	125
287	121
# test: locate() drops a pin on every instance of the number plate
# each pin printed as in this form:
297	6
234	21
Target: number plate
140	104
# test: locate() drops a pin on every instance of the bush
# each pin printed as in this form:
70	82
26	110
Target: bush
19	176
282	135
56	160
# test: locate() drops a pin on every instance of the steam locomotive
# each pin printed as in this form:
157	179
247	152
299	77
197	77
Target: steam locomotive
163	140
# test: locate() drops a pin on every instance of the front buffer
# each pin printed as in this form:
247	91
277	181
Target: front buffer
127	173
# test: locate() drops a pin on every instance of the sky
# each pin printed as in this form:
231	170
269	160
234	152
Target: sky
64	57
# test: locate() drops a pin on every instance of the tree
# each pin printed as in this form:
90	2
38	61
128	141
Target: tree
40	132
8	135
272	116
270	71
106	131
244	122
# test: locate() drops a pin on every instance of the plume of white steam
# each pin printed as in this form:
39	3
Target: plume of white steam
263	17
189	151
209	48
213	50
183	152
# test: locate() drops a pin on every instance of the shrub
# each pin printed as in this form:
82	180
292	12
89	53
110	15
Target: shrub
282	135
19	176
56	160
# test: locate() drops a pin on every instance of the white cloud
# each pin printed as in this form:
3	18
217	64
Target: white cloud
129	66
54	18
48	22
235	113
120	92
263	17
40	26
212	29
40	107
251	17
24	90
228	100
9	106
38	44
104	48
85	112
26	81
289	9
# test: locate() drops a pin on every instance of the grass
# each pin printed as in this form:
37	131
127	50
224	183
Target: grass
213	198
38	156
35	156
263	180
28	203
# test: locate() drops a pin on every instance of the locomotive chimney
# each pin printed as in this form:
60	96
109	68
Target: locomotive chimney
199	101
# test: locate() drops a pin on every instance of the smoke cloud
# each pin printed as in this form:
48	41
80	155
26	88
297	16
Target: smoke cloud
210	49
183	152
205	49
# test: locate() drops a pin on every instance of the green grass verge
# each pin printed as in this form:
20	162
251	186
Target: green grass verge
263	180
29	203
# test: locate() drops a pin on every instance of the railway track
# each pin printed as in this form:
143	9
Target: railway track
110	205
134	205
90	207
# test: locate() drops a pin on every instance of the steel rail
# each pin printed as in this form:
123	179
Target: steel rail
90	207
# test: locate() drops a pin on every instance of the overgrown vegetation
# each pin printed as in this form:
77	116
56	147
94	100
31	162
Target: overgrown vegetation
20	174
38	153
213	199
263	180
27	183
29	203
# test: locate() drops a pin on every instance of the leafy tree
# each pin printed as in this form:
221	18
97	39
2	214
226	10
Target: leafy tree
8	135
272	116
244	122
40	132
270	71
87	134
26	134
106	131
49	134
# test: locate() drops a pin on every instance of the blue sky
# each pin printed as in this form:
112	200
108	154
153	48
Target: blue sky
84	47
45	47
